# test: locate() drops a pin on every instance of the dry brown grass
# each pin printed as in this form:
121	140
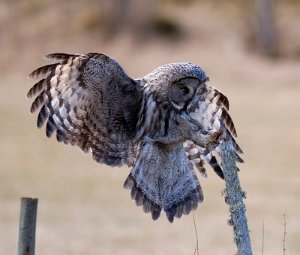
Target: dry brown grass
83	208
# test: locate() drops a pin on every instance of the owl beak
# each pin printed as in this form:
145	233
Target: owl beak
176	106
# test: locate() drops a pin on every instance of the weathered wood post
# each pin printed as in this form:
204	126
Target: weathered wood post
234	196
27	226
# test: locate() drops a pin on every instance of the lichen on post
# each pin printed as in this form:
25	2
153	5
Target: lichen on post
234	196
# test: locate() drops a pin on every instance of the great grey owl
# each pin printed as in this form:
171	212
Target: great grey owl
161	124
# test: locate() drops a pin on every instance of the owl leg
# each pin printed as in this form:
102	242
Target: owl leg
192	130
208	141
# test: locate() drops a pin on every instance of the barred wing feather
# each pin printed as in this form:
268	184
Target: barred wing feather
210	108
74	97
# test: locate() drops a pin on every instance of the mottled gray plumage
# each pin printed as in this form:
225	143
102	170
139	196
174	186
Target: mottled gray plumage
160	124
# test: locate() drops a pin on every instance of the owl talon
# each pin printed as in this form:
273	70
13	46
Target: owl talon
214	140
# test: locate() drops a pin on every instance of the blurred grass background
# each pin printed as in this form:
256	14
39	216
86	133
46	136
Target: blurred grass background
83	208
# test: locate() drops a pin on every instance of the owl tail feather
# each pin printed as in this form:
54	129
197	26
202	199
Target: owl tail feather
163	179
141	199
185	206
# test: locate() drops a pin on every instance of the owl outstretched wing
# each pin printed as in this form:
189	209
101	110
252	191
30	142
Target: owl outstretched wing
89	101
210	108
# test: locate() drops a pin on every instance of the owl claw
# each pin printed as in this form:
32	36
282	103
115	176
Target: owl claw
214	140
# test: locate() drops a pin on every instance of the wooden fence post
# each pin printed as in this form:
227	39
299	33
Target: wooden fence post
27	226
234	198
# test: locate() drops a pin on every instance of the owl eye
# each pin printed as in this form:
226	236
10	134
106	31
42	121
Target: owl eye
185	90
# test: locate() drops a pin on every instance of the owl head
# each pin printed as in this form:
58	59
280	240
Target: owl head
175	83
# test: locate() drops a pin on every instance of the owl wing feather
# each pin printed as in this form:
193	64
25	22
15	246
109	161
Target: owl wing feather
210	107
89	101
